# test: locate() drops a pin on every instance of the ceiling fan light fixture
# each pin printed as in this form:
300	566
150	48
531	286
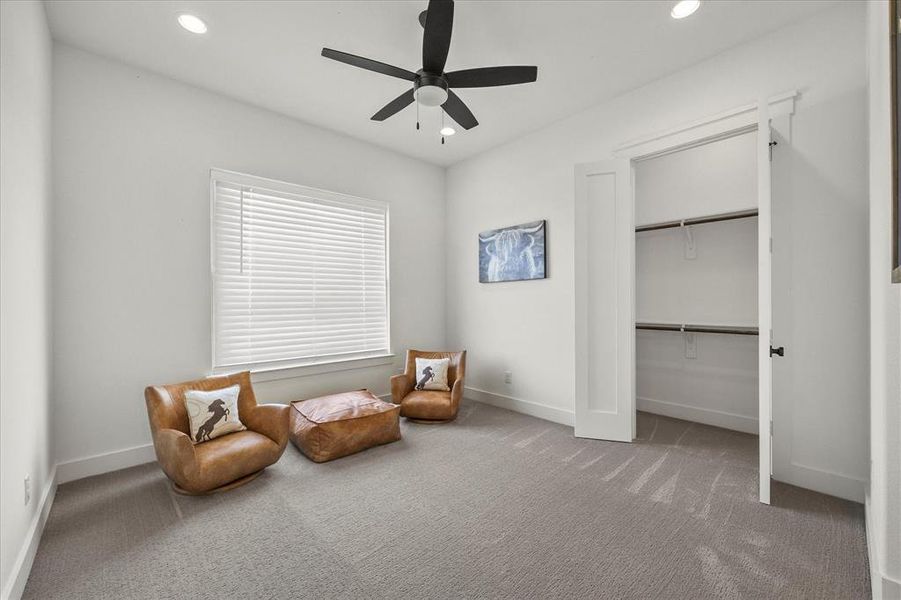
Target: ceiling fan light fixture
192	23
447	131
431	95
432	84
685	8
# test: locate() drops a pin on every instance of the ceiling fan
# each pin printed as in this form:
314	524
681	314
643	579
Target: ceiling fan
431	85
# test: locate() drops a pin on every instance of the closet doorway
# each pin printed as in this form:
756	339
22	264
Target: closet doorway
673	280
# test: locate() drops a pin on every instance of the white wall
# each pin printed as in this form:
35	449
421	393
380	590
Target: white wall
884	498
132	153
717	287
713	178
528	327
25	188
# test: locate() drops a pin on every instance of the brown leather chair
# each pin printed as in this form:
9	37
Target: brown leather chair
426	405
224	462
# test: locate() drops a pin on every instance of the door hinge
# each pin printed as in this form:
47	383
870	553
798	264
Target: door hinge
771	428
772	144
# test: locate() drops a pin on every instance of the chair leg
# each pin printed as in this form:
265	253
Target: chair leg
223	488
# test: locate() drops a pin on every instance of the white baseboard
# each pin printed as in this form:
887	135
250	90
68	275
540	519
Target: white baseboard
708	416
883	586
18	577
104	463
821	480
527	407
891	588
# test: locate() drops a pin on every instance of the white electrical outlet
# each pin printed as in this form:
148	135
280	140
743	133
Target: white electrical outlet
508	376
27	489
691	345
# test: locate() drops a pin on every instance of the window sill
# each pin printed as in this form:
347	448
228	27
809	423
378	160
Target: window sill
262	374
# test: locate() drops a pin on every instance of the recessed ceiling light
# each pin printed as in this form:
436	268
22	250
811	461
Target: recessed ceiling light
193	24
446	131
685	8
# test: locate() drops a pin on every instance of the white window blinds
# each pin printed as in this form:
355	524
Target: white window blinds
299	275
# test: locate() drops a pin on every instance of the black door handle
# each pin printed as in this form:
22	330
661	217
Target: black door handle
780	351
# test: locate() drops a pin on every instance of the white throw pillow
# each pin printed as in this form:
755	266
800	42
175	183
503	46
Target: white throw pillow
431	374
213	413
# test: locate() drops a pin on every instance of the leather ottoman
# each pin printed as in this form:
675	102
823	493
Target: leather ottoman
333	426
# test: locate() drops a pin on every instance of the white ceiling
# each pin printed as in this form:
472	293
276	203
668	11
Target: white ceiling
267	54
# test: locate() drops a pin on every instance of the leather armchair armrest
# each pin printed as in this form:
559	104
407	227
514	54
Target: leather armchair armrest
457	392
175	452
401	385
272	420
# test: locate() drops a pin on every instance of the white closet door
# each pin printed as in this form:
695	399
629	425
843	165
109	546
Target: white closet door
765	297
604	305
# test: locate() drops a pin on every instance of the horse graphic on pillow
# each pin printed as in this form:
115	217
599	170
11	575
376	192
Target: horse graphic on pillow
218	412
427	376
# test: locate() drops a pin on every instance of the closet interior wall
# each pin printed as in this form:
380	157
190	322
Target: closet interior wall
704	275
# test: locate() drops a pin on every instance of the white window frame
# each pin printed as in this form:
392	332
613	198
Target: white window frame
314	365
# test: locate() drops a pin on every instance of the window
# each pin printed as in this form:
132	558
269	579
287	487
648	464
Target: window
299	275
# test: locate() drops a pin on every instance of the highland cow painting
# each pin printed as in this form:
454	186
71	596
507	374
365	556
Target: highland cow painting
512	253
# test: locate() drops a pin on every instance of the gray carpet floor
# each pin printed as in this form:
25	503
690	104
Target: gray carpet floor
493	505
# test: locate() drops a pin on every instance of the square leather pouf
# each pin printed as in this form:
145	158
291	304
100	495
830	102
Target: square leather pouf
334	426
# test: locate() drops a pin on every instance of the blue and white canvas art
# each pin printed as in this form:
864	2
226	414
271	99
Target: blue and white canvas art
512	253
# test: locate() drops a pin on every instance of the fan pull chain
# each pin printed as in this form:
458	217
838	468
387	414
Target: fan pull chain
416	97
442	124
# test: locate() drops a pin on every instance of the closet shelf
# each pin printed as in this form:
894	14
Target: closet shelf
742	214
726	329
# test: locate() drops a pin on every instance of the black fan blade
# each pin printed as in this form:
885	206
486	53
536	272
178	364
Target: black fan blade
491	76
439	22
395	106
458	111
368	64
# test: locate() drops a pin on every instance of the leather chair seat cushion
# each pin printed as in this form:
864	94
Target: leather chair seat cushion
427	405
230	457
333	426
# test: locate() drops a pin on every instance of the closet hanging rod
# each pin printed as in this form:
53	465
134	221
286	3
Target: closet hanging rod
726	329
742	214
